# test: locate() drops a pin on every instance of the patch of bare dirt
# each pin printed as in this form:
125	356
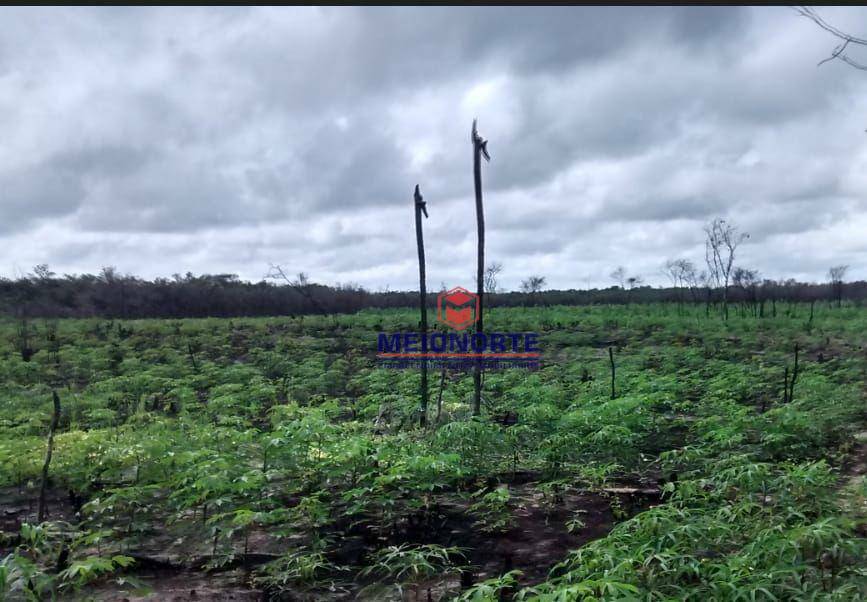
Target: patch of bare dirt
181	586
171	567
855	466
19	506
539	538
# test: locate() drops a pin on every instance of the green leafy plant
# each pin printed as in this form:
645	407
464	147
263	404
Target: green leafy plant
297	568
412	564
493	509
492	590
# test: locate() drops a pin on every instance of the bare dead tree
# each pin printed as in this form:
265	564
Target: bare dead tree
480	149
301	284
619	276
421	207
492	273
53	341
723	240
704	281
42	273
681	272
671	270
836	275
55	418
748	281
23	332
691	278
632	282
532	286
840	51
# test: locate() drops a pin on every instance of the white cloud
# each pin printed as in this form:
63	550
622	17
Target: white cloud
166	140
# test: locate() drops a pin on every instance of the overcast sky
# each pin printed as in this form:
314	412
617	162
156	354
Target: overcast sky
220	140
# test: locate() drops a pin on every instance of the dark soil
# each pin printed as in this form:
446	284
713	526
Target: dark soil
20	506
536	540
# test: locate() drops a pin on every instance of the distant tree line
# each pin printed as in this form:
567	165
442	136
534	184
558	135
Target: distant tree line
111	294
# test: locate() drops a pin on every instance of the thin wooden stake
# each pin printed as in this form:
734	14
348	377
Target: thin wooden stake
420	207
611	359
480	149
794	375
192	357
786	386
55	418
440	394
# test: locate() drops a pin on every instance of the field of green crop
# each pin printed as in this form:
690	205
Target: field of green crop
271	459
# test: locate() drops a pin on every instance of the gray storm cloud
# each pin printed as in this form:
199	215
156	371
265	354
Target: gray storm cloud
165	140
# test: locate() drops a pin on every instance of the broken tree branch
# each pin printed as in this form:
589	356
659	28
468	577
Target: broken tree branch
840	51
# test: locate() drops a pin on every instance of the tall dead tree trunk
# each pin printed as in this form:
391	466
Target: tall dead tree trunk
23	338
723	240
794	375
786	385
420	208
480	149
440	394
55	418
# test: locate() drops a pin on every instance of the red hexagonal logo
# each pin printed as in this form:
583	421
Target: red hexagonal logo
458	308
